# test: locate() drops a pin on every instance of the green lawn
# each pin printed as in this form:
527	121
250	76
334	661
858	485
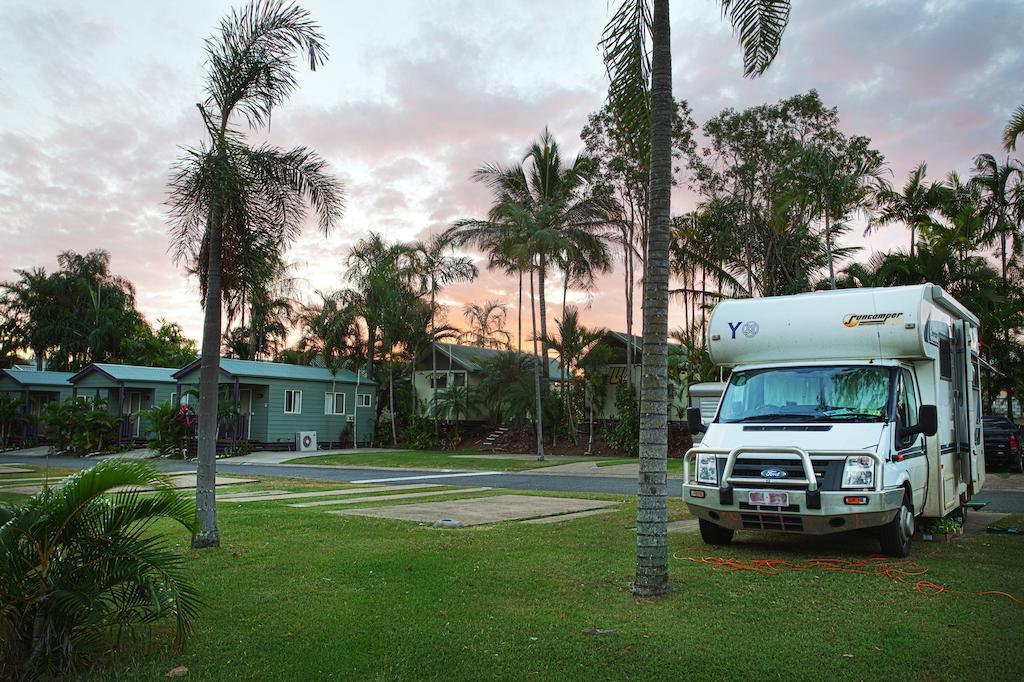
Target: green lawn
424	459
298	594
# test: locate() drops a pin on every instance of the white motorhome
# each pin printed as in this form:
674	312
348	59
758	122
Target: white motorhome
845	409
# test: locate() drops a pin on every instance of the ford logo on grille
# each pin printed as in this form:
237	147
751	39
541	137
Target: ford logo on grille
773	473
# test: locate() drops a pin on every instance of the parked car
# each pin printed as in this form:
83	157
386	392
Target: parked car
1004	443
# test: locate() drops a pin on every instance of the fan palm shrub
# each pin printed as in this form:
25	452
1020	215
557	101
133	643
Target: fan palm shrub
80	567
11	416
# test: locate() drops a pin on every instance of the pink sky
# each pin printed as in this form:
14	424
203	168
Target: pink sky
98	97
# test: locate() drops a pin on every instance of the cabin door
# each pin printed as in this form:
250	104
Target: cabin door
245	412
133	401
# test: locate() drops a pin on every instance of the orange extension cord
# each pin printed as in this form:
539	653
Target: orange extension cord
901	571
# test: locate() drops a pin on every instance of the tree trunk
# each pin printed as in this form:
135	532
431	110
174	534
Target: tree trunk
391	400
828	252
629	312
208	535
543	315
433	358
652	493
520	310
538	418
355	413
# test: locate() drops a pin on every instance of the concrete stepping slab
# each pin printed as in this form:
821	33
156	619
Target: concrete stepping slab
8	469
481	510
569	517
978	521
376	498
334	493
251	493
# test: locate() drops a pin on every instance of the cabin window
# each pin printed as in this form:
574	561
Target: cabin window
364	400
292	402
439	381
334	403
616	375
945	359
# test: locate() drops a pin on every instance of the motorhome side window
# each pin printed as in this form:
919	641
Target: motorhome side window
906	399
945	360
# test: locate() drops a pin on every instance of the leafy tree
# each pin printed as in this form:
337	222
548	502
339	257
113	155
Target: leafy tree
830	183
167	346
80	561
78	314
622	155
636	80
236	207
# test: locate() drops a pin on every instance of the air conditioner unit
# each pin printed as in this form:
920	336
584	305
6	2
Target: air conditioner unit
305	441
350	418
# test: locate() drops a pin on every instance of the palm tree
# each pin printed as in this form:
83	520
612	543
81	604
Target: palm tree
437	268
80	561
1014	129
913	205
487	324
231	204
831	184
574	342
996	182
635	79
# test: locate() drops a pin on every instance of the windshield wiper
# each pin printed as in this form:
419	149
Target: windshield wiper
775	417
850	413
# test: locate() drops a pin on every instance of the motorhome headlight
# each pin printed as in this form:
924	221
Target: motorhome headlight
707	469
859	472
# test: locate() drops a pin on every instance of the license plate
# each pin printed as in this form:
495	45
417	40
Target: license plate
770	499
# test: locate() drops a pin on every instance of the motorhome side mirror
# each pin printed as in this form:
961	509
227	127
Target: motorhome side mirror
928	420
693	422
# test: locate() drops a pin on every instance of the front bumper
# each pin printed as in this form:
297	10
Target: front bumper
834	516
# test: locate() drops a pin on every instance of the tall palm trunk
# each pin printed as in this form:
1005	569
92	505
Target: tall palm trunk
629	312
652	493
207	534
541	275
564	386
520	334
433	358
391	398
828	251
538	411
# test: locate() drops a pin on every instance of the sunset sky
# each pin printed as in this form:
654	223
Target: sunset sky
97	97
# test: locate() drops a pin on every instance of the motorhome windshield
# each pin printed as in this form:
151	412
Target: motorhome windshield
807	394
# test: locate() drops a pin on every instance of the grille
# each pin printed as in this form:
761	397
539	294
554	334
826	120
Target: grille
751	467
772	522
744	506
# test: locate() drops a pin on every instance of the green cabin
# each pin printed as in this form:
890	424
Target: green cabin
127	389
34	389
290	407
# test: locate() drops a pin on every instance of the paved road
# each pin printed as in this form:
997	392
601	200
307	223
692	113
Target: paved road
1001	500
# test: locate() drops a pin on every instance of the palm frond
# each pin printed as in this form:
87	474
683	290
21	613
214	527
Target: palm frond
1014	129
759	25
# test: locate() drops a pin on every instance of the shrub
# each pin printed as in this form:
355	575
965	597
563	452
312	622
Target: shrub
80	425
11	417
624	434
168	427
79	567
420	434
948	524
